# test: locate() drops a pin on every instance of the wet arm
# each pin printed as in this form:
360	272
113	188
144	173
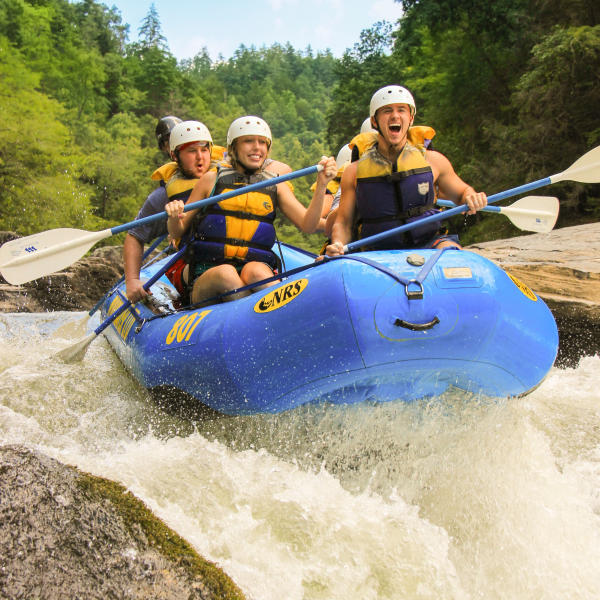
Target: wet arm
179	222
133	250
308	219
341	232
451	186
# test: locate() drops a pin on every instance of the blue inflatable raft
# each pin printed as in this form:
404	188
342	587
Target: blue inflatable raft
380	326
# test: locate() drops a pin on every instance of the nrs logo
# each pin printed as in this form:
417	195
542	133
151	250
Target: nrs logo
281	296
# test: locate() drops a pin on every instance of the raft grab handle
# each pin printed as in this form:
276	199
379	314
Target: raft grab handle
416	326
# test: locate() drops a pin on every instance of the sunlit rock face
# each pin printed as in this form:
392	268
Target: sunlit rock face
66	534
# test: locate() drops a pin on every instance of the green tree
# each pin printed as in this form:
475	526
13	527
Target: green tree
152	68
361	71
150	32
556	123
39	187
117	168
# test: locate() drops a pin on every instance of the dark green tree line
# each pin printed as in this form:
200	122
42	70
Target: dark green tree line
511	87
89	101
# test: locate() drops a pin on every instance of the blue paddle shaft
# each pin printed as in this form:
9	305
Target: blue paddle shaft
446	214
450	204
146	286
213	199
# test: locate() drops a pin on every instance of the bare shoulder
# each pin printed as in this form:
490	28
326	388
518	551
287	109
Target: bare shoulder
439	163
279	168
436	158
349	174
203	187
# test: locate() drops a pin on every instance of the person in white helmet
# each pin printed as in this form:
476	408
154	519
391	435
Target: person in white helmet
395	181
191	149
367	126
332	200
231	240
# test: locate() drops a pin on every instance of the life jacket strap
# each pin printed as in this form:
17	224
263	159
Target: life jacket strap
237	214
395	175
401	216
234	242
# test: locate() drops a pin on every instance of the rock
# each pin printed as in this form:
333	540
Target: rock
563	268
67	534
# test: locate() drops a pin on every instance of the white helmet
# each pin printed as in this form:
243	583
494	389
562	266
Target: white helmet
391	94
366	126
344	156
188	131
248	125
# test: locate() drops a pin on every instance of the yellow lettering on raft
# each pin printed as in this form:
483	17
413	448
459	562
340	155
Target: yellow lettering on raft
184	327
124	322
281	296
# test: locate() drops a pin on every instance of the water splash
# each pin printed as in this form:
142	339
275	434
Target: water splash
456	497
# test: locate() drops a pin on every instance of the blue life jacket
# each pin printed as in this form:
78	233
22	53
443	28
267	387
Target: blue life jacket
392	194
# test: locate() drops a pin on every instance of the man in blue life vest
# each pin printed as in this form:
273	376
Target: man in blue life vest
190	147
133	246
231	240
395	182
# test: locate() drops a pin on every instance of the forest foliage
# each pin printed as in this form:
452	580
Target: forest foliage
512	91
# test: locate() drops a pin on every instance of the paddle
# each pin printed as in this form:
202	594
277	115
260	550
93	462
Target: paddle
532	213
586	169
28	258
77	351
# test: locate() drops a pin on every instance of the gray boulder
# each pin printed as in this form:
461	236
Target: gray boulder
67	534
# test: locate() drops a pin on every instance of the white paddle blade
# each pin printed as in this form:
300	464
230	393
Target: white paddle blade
585	169
533	213
76	352
28	258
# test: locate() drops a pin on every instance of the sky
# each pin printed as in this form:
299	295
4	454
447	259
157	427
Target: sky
223	25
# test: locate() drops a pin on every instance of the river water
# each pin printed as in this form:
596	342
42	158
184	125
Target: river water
454	498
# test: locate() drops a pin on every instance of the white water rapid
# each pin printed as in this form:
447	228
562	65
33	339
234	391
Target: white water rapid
453	498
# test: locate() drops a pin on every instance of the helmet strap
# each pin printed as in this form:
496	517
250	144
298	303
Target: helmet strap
376	127
183	171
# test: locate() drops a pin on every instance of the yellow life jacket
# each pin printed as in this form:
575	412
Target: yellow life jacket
178	186
238	228
332	186
418	135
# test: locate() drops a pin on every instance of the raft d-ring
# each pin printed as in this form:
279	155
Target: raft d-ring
415	294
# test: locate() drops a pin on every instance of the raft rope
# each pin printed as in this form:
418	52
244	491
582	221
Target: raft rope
407	283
